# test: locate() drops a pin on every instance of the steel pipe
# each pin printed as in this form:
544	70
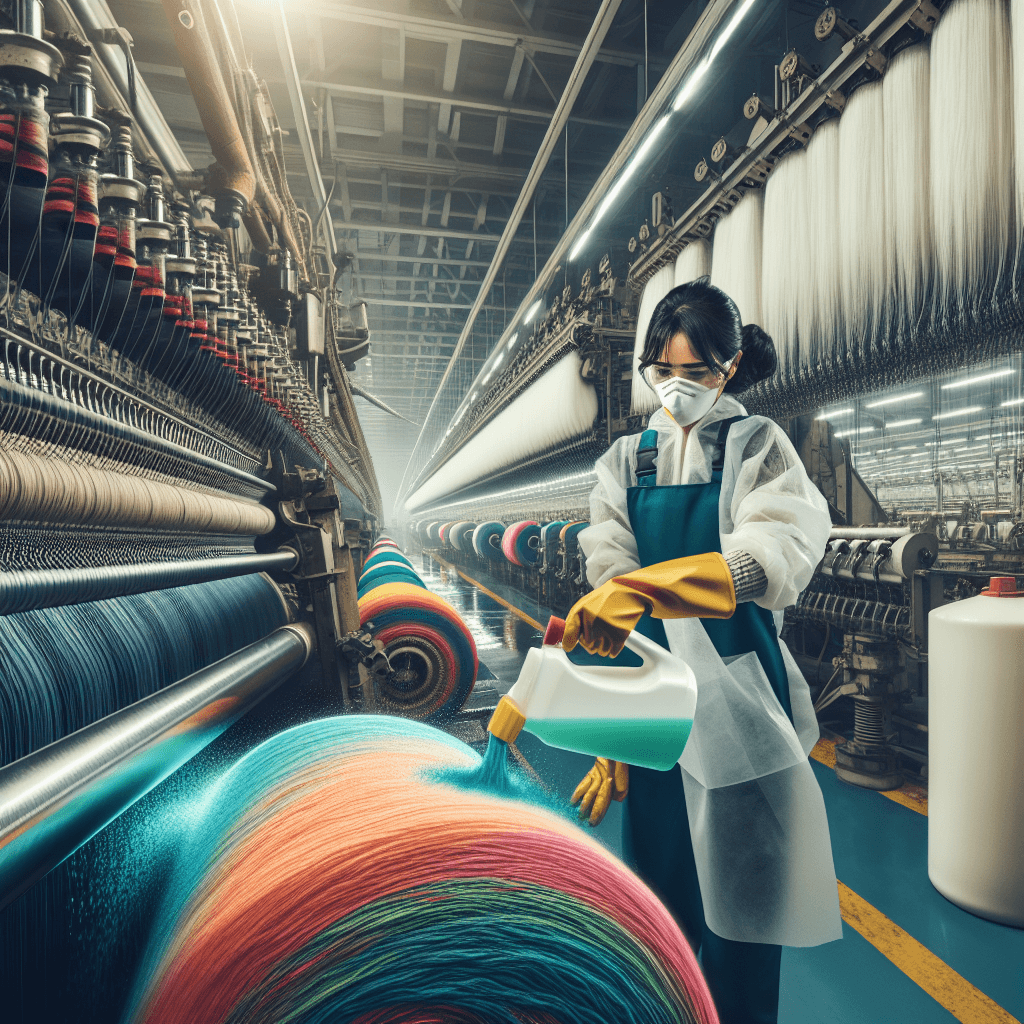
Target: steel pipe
22	590
56	799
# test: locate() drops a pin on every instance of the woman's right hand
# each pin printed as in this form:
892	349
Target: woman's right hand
606	781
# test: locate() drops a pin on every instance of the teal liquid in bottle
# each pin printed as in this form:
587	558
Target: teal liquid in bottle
647	742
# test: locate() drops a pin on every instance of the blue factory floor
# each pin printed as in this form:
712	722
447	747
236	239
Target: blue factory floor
908	956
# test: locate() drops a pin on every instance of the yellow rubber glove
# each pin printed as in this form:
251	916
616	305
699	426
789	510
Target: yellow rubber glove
606	781
698	586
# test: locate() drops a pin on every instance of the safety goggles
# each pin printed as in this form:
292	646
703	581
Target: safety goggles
697	373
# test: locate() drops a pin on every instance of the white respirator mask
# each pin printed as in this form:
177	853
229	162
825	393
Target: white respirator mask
687	401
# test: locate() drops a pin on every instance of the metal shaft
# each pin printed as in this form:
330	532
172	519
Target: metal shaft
23	590
56	799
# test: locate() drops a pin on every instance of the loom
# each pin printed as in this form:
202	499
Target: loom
868	216
186	494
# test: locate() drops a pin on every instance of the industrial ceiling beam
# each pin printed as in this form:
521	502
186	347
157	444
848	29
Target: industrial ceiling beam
457	169
441	30
416	230
382	91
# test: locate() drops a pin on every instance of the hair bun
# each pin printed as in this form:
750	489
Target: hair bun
759	360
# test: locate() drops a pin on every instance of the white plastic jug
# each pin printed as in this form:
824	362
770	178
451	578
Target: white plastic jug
641	715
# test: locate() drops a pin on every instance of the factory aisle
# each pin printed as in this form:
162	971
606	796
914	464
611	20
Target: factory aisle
908	956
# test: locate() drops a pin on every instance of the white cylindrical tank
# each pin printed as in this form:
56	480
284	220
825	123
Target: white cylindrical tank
976	752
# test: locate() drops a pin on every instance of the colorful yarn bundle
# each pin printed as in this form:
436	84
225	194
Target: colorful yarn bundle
389	571
460	536
383	557
336	874
64	668
520	543
430	648
487	540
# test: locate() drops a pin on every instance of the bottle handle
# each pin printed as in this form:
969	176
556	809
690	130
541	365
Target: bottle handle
645	647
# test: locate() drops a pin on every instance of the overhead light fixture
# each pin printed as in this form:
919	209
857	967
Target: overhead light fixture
847	433
696	76
966	411
902	423
511	341
893	401
532	311
616	189
979	379
1012	401
830	415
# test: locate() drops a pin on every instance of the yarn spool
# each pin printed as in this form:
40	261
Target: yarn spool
442	533
644	399
24	163
431	650
430	534
64	668
461	536
487	540
971	138
736	258
381	557
908	228
393	572
521	542
336	873
571	530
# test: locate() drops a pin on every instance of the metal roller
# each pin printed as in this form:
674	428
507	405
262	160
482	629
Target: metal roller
56	799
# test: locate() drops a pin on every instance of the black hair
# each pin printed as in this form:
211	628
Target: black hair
711	322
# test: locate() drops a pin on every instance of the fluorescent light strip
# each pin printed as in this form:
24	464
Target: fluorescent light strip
978	380
901	423
830	415
1012	401
893	401
847	433
616	189
966	411
532	312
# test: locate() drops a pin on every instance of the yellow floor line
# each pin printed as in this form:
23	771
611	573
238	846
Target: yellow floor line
949	989
909	795
490	593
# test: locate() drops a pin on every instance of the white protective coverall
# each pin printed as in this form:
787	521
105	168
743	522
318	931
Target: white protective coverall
756	813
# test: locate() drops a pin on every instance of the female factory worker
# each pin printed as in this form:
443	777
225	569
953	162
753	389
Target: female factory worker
704	528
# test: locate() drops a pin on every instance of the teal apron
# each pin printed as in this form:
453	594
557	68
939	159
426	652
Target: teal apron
673	522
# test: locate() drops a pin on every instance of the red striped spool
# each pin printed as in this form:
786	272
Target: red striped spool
428	644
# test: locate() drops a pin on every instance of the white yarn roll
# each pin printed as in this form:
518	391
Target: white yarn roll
693	262
819	304
971	120
863	263
557	408
52	491
736	258
1017	52
908	229
784	258
644	400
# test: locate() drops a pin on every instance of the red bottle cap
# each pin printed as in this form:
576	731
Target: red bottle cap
1002	586
554	633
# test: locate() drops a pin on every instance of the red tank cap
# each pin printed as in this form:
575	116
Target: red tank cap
554	633
1002	586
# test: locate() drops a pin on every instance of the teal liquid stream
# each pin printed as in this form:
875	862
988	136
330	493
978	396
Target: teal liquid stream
647	742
